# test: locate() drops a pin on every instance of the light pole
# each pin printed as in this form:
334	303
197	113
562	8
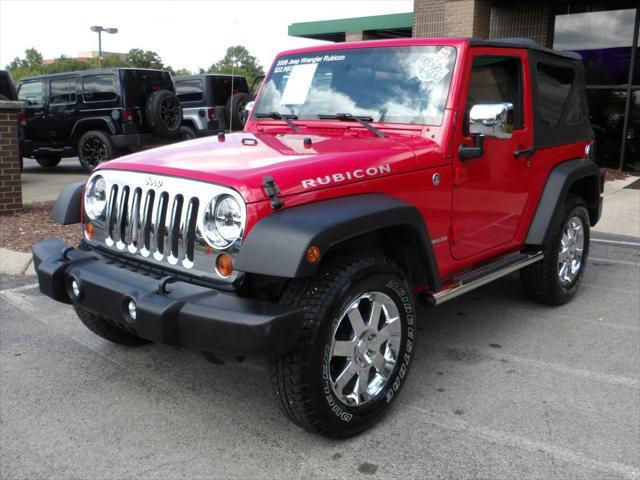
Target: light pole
99	30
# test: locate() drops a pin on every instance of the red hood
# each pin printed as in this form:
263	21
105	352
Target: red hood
243	159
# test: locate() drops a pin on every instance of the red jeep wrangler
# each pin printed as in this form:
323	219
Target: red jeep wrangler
368	174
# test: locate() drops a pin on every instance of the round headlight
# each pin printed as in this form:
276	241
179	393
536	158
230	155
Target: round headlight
222	221
95	198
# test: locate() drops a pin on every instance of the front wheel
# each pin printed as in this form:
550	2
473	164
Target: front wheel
360	337
555	279
95	147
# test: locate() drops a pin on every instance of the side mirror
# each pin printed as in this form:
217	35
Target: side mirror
246	112
491	120
487	120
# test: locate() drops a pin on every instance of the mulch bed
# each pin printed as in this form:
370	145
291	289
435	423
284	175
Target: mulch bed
21	230
614	174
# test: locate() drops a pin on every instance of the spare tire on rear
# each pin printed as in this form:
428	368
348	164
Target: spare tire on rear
235	105
164	113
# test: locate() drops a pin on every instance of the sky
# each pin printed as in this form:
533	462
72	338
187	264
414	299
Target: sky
186	34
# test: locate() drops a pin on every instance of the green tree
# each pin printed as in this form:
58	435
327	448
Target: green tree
31	64
238	61
144	58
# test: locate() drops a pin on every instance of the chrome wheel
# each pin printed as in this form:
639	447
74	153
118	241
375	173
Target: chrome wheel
365	343
571	251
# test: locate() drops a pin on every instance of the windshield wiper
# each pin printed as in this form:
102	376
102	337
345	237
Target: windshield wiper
347	117
281	116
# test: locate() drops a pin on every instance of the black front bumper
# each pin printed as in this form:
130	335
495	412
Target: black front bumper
179	313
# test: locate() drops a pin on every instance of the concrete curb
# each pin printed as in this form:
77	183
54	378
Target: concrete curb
15	263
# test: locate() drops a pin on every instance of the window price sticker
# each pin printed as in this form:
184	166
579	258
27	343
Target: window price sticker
298	84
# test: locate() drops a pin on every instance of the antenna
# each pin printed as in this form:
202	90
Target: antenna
233	72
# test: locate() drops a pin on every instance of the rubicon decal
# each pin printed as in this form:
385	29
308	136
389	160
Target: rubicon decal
344	176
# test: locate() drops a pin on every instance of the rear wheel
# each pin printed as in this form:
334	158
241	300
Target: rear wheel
95	147
357	348
187	133
48	162
555	279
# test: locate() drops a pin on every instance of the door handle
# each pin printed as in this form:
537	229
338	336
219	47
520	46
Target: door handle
525	153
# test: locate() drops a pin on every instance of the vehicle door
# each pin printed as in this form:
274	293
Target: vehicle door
32	95
491	190
62	108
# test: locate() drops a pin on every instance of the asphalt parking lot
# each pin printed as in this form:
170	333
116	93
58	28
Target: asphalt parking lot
45	184
501	388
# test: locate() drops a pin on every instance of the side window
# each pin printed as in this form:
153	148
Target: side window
31	93
99	88
189	90
62	91
496	79
554	85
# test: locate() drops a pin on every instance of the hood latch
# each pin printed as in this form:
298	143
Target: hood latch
272	191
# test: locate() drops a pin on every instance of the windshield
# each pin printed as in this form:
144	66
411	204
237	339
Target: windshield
393	85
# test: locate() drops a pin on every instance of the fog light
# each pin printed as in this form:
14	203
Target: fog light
75	288
132	310
224	265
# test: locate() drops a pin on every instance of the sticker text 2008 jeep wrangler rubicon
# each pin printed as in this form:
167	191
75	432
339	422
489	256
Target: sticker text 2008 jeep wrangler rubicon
368	173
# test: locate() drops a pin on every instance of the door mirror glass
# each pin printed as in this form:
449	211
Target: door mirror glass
491	120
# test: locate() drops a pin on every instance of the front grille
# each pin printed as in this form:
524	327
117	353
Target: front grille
157	219
155	223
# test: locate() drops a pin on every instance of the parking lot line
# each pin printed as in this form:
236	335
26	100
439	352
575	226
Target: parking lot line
508	439
615	242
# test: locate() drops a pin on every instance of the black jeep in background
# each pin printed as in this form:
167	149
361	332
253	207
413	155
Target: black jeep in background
97	114
212	102
7	90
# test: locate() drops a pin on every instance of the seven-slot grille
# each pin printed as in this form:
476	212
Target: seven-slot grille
152	222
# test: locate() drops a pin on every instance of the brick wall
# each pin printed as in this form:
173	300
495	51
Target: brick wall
451	18
484	19
10	183
523	19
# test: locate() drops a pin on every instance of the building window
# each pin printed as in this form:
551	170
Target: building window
603	34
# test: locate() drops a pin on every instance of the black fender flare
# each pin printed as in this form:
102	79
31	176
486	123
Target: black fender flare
66	210
559	182
277	244
103	120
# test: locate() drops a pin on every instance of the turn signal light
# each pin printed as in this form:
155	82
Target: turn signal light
88	229
224	265
313	254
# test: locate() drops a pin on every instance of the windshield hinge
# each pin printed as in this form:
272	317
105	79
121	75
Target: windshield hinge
272	191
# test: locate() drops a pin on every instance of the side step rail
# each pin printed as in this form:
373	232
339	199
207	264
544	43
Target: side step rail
483	275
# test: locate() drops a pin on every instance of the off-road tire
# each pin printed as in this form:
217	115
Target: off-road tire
187	133
540	281
164	113
94	148
108	330
48	162
235	105
297	378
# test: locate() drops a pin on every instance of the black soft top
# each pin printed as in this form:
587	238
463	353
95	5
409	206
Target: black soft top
522	43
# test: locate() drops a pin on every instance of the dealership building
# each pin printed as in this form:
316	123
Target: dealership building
605	34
